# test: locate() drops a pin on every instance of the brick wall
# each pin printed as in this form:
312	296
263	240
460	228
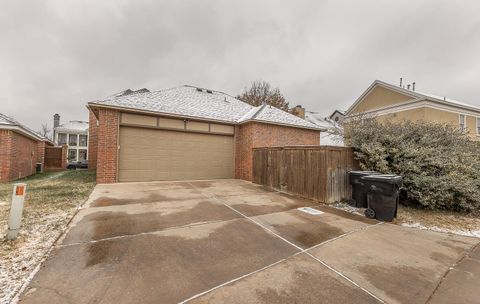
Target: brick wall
92	141
5	148
107	146
24	156
253	134
18	155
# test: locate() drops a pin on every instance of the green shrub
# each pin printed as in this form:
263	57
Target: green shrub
440	164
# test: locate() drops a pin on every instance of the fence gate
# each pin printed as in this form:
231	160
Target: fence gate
53	157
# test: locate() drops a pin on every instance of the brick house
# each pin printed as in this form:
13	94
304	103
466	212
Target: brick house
20	149
185	133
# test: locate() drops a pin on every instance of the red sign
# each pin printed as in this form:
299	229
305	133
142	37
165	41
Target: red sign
20	190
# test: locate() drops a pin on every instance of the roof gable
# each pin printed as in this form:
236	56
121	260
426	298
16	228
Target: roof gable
379	95
362	104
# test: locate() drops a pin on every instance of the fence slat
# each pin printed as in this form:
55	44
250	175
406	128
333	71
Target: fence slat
318	173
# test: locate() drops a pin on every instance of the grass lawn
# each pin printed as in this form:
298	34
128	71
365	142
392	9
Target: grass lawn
51	201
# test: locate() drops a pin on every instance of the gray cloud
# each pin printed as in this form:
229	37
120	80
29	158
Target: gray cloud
55	56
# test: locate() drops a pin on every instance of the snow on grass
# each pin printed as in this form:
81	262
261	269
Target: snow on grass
440	221
52	200
472	233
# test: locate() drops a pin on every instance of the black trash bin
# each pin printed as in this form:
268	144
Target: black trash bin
359	192
382	196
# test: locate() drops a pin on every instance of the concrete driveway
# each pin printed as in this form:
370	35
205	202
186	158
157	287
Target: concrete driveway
230	241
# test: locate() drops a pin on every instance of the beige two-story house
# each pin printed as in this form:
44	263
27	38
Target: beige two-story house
385	101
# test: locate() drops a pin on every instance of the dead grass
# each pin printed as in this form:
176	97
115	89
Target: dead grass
447	220
51	201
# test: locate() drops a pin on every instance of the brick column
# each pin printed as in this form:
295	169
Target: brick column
64	156
41	153
92	141
107	150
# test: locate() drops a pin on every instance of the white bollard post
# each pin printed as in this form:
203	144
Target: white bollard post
16	209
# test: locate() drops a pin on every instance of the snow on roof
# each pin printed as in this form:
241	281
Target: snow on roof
319	120
202	103
267	113
12	123
448	100
329	139
73	126
422	95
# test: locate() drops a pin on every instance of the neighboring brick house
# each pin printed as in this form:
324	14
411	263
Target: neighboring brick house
74	134
185	133
20	149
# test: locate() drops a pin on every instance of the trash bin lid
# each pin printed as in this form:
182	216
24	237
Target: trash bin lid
363	173
387	178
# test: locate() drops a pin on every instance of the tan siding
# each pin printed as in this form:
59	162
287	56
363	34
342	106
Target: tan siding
378	98
197	126
221	129
141	120
148	155
171	123
414	114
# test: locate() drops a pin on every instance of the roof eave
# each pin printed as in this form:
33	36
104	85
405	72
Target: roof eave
157	113
19	129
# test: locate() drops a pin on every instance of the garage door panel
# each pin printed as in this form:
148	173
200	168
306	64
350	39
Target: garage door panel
149	154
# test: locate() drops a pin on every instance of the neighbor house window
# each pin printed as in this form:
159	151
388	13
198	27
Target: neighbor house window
461	122
82	154
62	139
82	141
72	155
478	125
72	140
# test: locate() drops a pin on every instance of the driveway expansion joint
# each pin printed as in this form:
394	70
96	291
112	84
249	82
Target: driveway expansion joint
224	202
465	256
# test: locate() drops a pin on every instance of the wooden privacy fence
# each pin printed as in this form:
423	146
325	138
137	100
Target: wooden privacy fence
313	172
55	157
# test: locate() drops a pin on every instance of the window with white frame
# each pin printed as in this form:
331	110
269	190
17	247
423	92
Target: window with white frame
461	121
72	155
82	142
62	139
478	125
72	139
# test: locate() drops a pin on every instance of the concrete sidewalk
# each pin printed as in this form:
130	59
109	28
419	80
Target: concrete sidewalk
230	241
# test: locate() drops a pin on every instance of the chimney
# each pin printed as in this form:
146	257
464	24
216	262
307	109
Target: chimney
56	120
299	111
413	86
401	80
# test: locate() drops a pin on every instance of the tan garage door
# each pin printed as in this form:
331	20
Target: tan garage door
150	155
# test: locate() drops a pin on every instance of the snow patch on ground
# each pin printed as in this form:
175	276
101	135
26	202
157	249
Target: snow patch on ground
348	208
28	251
472	233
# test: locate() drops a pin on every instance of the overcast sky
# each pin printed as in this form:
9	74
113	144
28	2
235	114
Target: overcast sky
55	56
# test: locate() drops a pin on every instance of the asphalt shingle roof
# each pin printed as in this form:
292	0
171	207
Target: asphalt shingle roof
202	103
12	122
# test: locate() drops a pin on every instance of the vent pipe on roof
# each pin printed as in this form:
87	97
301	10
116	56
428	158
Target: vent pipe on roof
401	80
413	86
